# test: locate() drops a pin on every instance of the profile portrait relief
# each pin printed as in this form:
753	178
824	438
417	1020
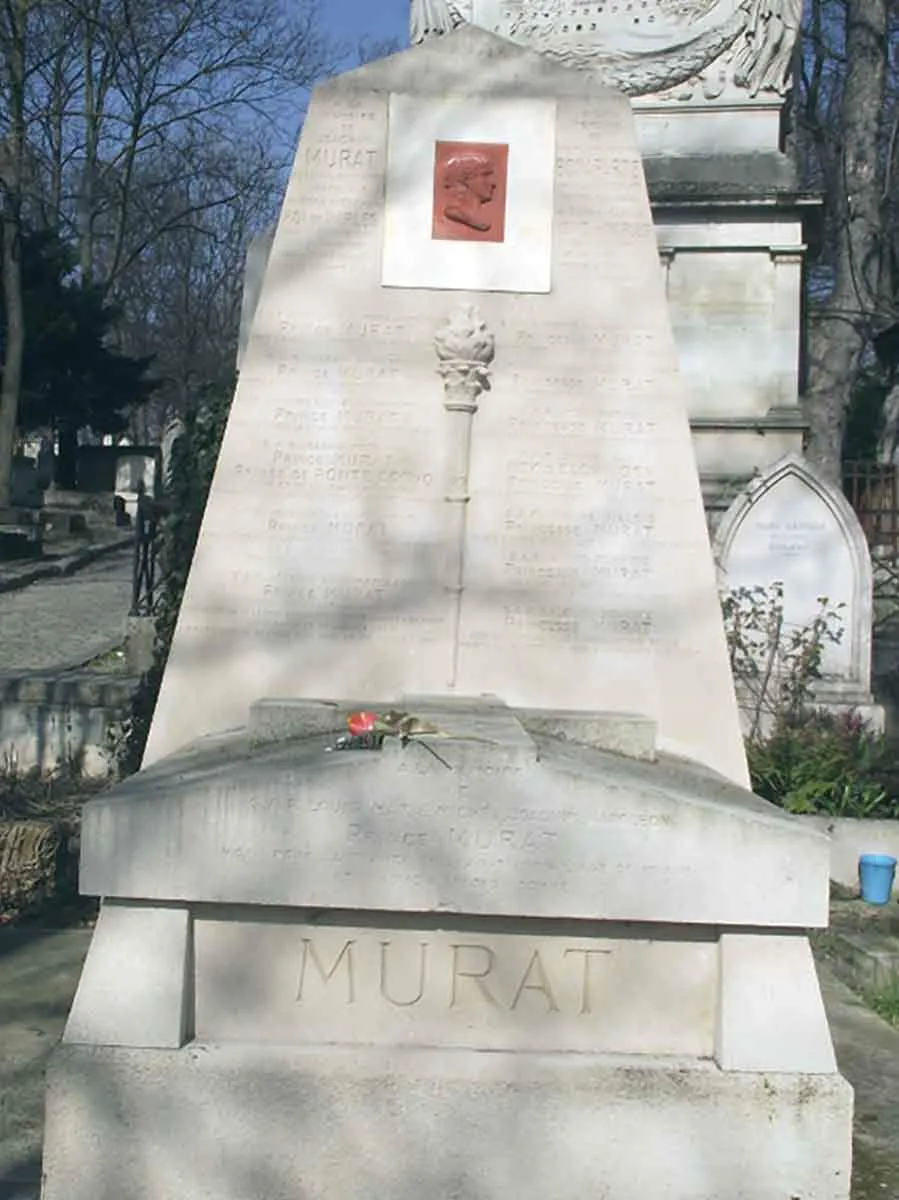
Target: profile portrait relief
470	180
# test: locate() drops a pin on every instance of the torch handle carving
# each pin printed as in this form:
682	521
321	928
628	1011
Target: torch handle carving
465	349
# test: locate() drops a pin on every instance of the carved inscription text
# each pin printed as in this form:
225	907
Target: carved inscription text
468	986
456	975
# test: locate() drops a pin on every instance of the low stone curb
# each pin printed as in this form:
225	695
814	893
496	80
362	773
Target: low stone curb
861	944
64	566
67	687
865	964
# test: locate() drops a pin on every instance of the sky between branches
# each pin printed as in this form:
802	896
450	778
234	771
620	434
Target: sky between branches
352	20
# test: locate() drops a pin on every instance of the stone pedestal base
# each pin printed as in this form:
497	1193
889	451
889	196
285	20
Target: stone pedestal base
521	966
353	1123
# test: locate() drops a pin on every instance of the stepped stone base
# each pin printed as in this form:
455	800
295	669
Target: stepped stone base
231	1122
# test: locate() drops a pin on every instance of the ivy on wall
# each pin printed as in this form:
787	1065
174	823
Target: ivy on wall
194	456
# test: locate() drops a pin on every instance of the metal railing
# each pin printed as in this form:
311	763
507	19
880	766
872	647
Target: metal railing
143	579
873	491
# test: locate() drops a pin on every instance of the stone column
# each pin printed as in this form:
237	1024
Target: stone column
785	319
465	349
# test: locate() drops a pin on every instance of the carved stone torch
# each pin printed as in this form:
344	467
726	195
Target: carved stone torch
465	349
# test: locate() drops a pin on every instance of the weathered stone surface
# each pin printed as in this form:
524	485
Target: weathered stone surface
135	988
273	721
327	561
51	720
519	825
771	1015
724	176
269	977
400	1123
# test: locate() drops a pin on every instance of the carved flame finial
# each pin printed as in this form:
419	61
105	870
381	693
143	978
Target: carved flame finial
465	349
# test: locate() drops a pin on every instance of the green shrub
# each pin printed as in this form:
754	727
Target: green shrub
194	458
885	1002
821	762
804	759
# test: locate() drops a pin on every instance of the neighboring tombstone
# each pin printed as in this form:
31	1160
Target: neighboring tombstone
128	471
792	527
25	489
46	463
120	513
174	431
136	472
524	949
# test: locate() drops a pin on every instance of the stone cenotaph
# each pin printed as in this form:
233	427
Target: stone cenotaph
544	944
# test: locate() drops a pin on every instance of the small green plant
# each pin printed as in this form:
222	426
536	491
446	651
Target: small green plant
885	1002
774	664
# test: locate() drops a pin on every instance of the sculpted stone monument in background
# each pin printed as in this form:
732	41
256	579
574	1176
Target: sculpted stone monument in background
679	50
545	945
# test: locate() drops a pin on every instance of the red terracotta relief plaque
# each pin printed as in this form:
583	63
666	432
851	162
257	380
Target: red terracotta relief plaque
470	180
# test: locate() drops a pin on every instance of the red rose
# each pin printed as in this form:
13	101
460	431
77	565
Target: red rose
360	723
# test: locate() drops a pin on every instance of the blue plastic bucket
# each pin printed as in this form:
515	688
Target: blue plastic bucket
875	875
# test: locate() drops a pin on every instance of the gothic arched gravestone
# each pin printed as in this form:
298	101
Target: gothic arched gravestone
791	526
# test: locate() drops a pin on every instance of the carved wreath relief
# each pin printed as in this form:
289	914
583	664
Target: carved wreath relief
470	181
643	47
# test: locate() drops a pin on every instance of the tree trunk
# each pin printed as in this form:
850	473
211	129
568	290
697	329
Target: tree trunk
15	345
843	326
834	347
12	180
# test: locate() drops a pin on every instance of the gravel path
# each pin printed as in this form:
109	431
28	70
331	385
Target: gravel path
60	623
